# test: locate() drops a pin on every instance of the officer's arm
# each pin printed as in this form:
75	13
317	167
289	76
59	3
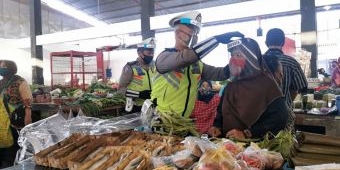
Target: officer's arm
215	73
125	79
171	60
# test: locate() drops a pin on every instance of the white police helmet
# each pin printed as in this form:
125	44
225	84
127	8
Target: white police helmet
190	18
147	43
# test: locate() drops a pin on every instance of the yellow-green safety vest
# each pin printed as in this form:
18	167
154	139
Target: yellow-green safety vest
141	79
176	91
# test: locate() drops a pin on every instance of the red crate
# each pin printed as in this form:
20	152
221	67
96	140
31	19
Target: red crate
75	68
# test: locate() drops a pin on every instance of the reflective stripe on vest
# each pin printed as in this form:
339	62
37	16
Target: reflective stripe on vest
176	91
140	80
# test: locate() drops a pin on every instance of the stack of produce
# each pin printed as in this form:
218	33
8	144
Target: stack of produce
313	149
119	150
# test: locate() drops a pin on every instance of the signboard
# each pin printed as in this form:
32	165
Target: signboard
313	83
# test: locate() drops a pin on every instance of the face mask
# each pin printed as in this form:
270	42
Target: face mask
205	94
205	91
236	66
147	59
3	71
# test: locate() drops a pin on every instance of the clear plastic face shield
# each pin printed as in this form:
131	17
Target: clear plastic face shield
195	26
243	62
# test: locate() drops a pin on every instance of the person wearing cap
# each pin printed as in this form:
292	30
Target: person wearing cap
252	103
294	80
135	80
179	69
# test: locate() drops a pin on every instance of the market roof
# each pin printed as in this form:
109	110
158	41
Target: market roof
114	11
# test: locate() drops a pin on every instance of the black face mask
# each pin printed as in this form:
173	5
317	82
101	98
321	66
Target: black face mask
205	96
147	59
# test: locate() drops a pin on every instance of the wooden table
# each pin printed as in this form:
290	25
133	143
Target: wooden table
329	123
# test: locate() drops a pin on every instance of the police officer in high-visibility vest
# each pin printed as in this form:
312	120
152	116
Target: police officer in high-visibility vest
135	80
180	68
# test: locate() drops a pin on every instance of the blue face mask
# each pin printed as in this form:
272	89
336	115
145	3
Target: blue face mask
3	71
147	59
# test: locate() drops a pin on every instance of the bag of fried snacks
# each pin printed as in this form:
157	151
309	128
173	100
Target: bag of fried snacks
274	160
232	147
198	146
181	159
253	158
217	159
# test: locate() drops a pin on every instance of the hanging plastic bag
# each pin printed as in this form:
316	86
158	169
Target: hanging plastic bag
6	138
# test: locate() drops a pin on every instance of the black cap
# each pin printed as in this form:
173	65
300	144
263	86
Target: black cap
275	37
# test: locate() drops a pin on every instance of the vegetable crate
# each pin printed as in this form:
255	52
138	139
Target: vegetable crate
75	69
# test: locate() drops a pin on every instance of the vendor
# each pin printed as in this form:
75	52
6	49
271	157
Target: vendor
336	75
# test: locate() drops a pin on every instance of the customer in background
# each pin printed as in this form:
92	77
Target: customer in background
294	80
336	75
332	67
205	107
135	80
15	93
180	68
252	103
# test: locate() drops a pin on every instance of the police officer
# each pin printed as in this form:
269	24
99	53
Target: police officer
180	68
135	80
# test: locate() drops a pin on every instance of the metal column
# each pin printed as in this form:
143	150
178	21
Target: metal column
309	32
36	50
147	11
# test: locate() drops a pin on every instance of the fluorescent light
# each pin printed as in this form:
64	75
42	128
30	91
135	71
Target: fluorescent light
73	12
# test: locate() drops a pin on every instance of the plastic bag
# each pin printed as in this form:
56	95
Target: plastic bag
217	159
232	147
198	146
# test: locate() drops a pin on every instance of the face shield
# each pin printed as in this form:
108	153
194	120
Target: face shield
244	61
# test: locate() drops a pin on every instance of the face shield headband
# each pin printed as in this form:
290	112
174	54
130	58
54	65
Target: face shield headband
242	52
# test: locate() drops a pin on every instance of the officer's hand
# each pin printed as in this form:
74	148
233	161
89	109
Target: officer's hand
214	132
225	38
145	94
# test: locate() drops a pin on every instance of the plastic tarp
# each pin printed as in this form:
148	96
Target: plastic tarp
44	133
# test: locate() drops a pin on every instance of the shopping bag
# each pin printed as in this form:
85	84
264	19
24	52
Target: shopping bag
6	138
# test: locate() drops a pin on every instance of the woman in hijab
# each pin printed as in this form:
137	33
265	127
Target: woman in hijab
15	93
252	103
205	107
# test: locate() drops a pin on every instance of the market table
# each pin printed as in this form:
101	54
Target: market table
324	124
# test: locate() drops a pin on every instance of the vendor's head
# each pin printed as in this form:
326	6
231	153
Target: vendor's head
275	38
334	63
146	50
187	27
246	58
7	68
205	90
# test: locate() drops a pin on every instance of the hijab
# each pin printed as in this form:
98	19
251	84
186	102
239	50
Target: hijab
204	94
250	92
